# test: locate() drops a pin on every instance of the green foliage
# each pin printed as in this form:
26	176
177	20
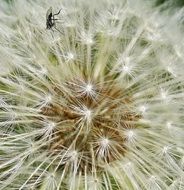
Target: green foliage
173	3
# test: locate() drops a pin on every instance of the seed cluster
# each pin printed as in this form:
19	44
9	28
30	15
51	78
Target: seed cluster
91	96
91	122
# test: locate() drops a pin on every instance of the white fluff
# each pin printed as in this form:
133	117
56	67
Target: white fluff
96	48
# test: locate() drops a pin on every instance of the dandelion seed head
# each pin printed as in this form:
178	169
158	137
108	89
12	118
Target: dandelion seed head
96	101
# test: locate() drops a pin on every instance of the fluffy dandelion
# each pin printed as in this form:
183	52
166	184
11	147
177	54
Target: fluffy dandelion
92	99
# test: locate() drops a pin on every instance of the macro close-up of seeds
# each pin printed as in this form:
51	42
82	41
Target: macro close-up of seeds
91	95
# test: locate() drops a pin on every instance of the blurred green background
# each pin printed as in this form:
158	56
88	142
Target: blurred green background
171	3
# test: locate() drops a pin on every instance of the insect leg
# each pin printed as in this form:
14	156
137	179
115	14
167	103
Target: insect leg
57	13
53	19
57	30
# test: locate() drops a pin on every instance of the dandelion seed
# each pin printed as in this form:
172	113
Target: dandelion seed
143	109
89	88
87	114
87	38
169	124
43	71
104	142
49	129
164	94
70	56
165	149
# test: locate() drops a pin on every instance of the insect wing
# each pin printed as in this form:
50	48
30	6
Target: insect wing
49	12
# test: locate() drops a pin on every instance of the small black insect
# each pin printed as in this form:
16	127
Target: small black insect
50	20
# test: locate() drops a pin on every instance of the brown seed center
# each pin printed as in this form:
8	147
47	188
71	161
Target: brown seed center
91	120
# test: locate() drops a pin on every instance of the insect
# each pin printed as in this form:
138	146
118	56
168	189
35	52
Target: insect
50	20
